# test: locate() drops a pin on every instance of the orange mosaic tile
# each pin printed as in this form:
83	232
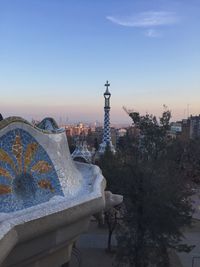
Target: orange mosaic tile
5	189
5	173
6	158
41	167
29	154
17	151
45	184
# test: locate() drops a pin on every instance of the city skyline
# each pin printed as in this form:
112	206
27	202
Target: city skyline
55	57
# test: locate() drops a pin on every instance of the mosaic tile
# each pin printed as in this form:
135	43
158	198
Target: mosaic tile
27	174
4	189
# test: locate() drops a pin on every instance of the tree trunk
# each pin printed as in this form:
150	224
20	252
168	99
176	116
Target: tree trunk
109	246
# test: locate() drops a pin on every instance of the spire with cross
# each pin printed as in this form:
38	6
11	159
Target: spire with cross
106	131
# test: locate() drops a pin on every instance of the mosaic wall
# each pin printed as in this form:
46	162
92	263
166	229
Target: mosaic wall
27	175
48	124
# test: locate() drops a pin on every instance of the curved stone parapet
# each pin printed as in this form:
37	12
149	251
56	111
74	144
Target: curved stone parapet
46	199
49	124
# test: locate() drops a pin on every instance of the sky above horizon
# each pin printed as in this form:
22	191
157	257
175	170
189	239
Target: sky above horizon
56	55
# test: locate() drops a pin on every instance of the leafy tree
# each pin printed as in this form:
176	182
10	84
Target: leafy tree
156	199
186	155
190	160
109	165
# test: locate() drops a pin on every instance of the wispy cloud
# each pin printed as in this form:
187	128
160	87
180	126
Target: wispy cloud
152	33
146	19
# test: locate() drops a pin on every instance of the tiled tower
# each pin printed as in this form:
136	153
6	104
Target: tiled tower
106	131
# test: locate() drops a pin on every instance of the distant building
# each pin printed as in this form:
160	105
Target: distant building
77	130
121	132
175	130
176	127
194	126
185	130
99	133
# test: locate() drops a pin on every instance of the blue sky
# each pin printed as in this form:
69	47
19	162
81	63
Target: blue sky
55	56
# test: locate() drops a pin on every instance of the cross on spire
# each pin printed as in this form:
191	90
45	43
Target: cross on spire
107	91
107	85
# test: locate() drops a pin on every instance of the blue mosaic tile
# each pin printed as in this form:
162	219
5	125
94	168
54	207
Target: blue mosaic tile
27	174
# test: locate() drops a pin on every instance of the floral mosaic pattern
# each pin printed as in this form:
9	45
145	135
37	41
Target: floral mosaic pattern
27	175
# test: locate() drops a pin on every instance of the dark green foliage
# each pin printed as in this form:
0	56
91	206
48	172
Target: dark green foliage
148	172
71	144
190	161
109	164
156	207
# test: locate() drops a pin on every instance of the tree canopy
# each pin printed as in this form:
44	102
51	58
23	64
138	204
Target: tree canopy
146	171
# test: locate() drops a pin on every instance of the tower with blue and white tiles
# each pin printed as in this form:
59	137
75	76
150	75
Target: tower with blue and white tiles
106	131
